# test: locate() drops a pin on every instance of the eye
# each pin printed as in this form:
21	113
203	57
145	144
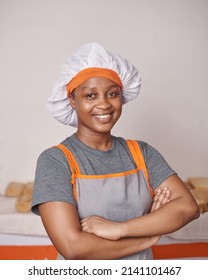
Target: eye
90	95
113	94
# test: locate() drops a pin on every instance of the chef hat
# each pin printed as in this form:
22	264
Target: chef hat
91	60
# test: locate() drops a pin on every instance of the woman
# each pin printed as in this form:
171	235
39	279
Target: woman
100	196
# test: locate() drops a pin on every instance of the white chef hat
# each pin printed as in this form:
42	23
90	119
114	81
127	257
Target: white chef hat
91	60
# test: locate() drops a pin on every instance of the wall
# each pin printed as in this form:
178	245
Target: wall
167	41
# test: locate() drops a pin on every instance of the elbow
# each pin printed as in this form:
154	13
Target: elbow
73	252
73	255
76	249
192	211
196	211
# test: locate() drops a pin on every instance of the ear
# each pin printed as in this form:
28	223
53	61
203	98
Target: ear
72	100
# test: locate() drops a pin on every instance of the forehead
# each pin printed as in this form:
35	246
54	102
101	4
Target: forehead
97	82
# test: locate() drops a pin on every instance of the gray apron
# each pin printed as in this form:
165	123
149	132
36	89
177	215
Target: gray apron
117	197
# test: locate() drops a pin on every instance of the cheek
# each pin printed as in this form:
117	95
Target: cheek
119	106
120	111
82	107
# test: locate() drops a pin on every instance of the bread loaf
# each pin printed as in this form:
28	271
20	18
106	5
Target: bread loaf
199	189
28	188
14	189
196	182
23	193
23	203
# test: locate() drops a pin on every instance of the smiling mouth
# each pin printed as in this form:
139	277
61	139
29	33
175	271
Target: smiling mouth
103	116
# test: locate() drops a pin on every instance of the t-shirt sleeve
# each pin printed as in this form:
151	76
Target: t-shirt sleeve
52	179
158	169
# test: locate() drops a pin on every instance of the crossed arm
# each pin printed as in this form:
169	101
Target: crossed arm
97	238
178	212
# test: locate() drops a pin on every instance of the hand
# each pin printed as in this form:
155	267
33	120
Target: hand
112	230
101	227
161	198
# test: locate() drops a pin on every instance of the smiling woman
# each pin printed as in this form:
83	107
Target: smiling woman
98	104
101	196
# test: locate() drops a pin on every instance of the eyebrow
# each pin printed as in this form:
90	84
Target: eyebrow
92	88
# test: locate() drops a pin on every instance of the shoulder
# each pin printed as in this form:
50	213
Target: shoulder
53	157
51	154
148	150
119	140
157	166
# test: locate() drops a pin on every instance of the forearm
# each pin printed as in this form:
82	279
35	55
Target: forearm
89	246
73	243
172	208
166	219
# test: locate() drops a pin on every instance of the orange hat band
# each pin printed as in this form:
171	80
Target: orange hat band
88	73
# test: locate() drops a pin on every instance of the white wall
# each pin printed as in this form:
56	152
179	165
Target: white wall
166	39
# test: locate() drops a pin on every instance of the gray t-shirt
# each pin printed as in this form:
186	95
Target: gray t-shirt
53	174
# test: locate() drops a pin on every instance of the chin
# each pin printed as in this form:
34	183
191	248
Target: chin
103	128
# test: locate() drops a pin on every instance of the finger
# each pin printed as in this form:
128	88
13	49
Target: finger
157	199
83	225
84	221
86	227
164	196
157	194
160	198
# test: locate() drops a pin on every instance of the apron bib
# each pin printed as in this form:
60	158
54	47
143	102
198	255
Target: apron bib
117	197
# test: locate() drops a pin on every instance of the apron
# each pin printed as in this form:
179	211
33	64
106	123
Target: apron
117	197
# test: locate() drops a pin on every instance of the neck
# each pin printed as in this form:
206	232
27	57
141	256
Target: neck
101	141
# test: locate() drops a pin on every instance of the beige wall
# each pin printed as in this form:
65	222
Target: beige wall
166	39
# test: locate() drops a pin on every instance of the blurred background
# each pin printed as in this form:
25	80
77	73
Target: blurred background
166	40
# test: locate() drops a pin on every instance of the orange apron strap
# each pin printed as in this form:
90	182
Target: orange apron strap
139	160
73	165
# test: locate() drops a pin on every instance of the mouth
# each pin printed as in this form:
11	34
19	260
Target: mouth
103	117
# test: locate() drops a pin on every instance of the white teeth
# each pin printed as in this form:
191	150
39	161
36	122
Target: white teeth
102	116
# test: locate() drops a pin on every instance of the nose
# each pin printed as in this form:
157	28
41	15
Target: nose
103	103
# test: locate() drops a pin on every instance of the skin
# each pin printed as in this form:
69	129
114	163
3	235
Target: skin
98	103
71	242
180	210
96	96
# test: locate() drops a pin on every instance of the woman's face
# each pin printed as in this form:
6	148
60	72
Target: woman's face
98	104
